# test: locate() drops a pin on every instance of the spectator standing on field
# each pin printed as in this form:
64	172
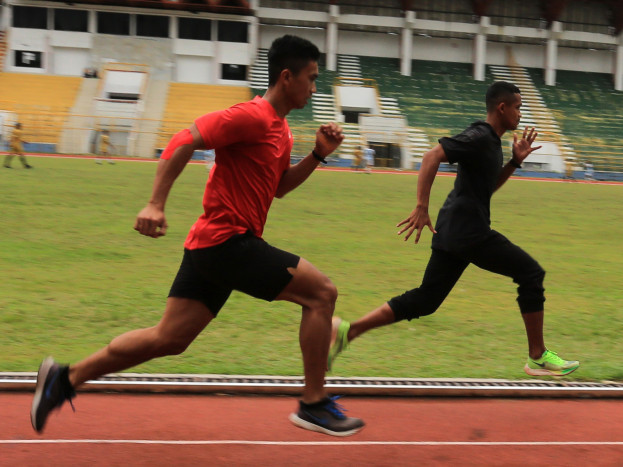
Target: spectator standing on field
104	148
368	157
16	148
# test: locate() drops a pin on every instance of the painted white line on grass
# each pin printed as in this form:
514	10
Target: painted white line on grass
308	443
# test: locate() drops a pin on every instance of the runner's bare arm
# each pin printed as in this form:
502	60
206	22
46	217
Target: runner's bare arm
151	220
328	138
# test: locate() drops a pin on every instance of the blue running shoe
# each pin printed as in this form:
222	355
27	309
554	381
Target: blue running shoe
52	390
326	417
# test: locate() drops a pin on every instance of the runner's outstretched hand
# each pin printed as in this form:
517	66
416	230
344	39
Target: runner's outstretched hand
523	148
418	219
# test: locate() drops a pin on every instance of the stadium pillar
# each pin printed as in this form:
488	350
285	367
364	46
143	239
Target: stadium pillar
173	29
551	54
92	19
334	13
618	65
407	44
254	38
480	48
5	17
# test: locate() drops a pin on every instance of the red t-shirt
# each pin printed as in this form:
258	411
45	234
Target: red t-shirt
252	145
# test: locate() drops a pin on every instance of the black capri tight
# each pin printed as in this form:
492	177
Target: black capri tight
496	254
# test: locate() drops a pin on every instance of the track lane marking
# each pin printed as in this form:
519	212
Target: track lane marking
309	443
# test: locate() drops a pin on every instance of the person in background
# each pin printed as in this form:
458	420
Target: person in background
104	148
368	157
16	148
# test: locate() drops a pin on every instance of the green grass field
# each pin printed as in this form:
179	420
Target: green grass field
76	274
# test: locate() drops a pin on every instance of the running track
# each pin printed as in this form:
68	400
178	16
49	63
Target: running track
185	430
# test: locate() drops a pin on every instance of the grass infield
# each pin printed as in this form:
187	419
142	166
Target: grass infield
76	274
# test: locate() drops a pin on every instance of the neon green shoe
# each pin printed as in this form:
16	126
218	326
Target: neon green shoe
339	340
550	364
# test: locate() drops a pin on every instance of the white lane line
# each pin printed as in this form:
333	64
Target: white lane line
309	443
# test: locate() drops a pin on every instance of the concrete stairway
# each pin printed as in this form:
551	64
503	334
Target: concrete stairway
323	107
77	130
352	139
144	134
259	70
418	143
348	66
390	106
2	50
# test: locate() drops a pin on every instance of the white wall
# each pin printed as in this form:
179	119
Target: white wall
444	50
369	44
269	33
34	40
597	61
70	61
357	98
192	69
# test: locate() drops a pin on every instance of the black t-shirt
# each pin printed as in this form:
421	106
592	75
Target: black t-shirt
464	218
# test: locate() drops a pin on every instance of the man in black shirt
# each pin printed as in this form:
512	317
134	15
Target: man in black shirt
463	234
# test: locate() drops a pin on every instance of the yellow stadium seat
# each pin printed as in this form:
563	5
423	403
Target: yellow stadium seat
41	102
186	102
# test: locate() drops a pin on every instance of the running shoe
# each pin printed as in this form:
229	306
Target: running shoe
326	416
550	364
339	340
52	390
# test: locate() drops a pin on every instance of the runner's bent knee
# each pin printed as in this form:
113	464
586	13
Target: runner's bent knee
531	293
309	287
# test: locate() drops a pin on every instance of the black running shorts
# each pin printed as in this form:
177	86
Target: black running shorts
244	262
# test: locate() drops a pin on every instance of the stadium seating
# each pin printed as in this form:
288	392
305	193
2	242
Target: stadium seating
186	102
588	111
41	102
440	98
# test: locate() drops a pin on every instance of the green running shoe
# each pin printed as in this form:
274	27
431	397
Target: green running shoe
550	364
339	340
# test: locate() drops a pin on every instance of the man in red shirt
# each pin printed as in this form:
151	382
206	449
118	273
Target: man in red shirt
224	250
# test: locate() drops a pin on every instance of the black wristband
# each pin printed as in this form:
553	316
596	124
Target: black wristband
317	157
514	163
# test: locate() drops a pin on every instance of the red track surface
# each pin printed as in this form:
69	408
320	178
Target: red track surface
184	430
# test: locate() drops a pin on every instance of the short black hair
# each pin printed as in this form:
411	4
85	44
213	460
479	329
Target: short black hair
292	53
500	91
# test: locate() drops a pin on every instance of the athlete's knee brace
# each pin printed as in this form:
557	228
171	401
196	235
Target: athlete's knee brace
179	139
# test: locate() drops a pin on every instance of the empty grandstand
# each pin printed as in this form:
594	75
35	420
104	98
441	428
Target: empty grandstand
186	102
40	103
429	65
